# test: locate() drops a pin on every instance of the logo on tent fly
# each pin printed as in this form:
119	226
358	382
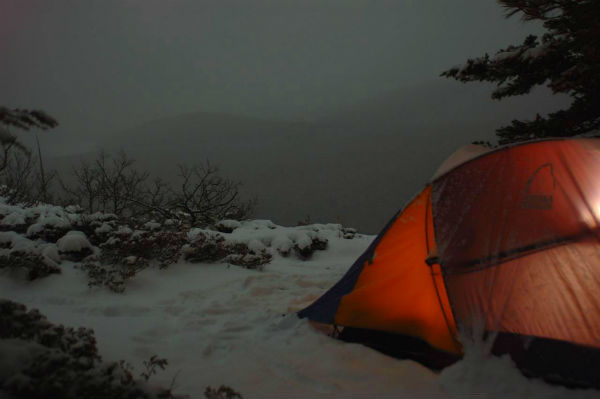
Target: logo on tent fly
539	188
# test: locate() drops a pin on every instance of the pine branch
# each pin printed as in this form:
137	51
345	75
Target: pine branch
566	59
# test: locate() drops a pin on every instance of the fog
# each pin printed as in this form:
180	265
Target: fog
351	80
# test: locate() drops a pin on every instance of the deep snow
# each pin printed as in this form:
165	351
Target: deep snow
220	324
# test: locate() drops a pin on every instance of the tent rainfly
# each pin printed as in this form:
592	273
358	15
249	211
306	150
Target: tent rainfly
502	244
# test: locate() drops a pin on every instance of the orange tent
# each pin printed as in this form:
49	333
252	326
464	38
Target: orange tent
503	242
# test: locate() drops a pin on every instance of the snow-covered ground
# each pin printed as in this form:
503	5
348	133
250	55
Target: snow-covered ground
222	324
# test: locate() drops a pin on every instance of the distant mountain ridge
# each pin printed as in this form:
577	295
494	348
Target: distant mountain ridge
356	165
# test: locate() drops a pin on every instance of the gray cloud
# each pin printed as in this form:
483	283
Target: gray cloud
104	65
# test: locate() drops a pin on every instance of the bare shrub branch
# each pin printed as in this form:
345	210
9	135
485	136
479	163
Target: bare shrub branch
23	181
113	185
205	197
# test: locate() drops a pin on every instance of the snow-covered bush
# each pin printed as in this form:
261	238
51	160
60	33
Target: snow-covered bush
43	360
126	253
6	238
97	227
14	221
172	224
46	233
25	258
249	260
152	225
227	226
302	241
207	247
348	233
47	222
308	243
283	245
74	246
113	249
112	276
30	265
163	247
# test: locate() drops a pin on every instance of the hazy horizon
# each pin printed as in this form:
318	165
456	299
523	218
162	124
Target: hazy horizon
105	66
356	69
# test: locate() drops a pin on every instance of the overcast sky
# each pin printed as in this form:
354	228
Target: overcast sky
105	65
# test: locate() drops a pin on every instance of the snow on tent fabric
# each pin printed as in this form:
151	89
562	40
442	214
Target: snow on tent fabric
506	242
